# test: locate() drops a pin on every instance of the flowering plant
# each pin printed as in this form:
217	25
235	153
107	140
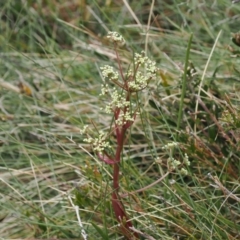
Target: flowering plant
124	112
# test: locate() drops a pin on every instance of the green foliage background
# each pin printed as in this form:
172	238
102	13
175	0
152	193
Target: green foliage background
50	82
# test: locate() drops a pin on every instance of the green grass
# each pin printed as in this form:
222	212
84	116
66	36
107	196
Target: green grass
50	81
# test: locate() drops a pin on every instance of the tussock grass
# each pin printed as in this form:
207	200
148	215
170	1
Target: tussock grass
50	82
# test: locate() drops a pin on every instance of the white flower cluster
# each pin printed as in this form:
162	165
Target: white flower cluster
184	171
116	38
99	144
104	89
83	131
145	71
170	145
123	118
135	80
108	72
173	163
118	101
186	160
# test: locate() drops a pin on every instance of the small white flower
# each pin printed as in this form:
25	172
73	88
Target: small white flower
183	171
109	72
82	131
116	38
173	163
88	140
99	143
118	101
170	145
104	90
145	71
123	118
185	160
176	163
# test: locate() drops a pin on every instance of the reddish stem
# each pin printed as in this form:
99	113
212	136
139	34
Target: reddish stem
122	217
120	140
120	131
117	204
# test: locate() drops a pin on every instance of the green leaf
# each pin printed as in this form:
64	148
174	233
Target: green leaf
100	231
